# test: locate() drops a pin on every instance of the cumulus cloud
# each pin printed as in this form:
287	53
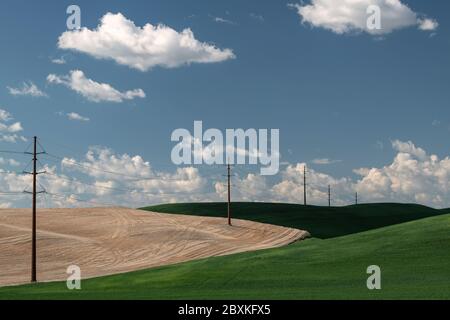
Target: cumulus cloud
135	173
92	90
11	162
346	16
413	176
290	189
77	117
252	187
410	148
428	24
9	130
27	89
105	177
142	48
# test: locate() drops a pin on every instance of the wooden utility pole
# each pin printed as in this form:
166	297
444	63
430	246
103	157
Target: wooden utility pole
34	193
304	185
329	195
33	237
356	198
229	193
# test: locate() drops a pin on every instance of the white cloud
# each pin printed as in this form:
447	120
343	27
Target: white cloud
141	48
59	60
250	188
92	182
27	89
223	20
13	162
10	162
325	161
5	115
290	189
9	130
410	148
428	24
92	90
77	117
345	16
413	176
136	174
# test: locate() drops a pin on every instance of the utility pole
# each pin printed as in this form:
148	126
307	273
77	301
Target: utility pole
304	185
229	193
329	195
356	198
33	237
34	193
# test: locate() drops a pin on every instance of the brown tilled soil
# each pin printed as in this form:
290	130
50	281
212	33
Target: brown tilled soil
103	241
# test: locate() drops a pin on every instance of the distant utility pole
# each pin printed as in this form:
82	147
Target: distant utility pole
229	193
33	232
304	184
329	195
356	198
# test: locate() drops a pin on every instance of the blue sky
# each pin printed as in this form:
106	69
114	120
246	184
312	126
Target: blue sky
342	97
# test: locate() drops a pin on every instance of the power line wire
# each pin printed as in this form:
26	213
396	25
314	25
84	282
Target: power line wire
132	178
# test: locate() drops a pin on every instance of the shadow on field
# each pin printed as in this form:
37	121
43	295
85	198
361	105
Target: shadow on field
321	222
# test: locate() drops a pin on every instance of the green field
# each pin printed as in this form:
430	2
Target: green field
414	258
321	222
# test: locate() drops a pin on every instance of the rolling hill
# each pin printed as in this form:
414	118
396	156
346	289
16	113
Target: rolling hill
321	222
413	257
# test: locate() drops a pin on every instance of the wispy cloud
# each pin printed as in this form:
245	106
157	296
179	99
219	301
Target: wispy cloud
27	89
325	161
59	60
76	117
9	130
223	20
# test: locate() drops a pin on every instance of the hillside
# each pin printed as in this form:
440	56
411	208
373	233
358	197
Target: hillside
413	256
321	222
105	241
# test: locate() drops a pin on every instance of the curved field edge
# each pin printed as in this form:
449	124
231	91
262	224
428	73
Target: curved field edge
413	257
320	222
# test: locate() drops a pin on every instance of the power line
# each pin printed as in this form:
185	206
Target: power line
74	198
12	152
123	191
132	178
12	192
94	185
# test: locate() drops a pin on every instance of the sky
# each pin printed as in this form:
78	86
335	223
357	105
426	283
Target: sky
366	110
